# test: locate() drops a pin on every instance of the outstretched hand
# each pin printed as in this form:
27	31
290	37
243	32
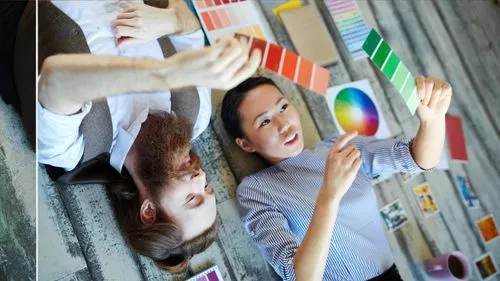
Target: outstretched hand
221	66
435	97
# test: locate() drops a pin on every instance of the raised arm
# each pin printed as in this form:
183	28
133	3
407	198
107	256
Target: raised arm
68	80
435	96
342	165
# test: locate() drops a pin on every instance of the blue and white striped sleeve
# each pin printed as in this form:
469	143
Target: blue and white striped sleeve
267	226
384	156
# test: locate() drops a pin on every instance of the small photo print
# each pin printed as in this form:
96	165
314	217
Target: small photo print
488	229
485	267
468	196
211	274
426	200
393	215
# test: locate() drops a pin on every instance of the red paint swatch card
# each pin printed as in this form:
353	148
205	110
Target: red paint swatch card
291	66
456	139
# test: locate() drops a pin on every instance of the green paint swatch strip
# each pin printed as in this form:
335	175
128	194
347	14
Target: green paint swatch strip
389	63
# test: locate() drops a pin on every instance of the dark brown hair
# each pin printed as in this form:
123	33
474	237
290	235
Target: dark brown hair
230	114
161	240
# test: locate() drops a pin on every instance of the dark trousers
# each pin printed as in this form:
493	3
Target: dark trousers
392	274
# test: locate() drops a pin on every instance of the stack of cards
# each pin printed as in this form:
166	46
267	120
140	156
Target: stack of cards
291	66
389	63
224	18
351	25
456	139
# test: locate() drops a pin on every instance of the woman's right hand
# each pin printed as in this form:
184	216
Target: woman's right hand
342	165
221	66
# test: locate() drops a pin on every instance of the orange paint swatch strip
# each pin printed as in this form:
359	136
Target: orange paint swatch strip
308	74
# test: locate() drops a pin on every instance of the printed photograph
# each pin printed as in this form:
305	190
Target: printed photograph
468	196
394	215
488	228
486	267
426	200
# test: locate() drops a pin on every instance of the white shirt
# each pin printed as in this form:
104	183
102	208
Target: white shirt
60	142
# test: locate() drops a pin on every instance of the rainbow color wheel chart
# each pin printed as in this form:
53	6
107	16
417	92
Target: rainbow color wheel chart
354	108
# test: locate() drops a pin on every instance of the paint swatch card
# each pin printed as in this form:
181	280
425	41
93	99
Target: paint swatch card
394	215
224	18
211	274
309	35
355	108
456	139
350	24
389	63
488	229
486	267
468	196
426	200
291	66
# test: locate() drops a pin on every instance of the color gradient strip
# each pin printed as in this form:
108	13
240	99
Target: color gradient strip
350	24
291	66
389	63
205	4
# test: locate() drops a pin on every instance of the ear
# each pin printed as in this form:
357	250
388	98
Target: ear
245	145
148	212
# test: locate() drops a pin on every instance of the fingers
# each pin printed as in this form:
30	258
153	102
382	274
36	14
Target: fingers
230	54
343	140
248	69
126	31
436	94
420	87
429	85
133	22
128	15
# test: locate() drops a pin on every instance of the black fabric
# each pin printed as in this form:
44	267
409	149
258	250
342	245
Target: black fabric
10	14
392	274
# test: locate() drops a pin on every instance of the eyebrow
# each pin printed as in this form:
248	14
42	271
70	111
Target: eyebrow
262	113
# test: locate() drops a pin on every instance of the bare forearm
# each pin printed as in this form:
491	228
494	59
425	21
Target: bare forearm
310	258
67	81
429	142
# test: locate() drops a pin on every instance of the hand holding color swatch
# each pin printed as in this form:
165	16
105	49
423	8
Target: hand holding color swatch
389	63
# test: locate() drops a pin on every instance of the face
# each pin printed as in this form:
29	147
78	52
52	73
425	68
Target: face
271	125
190	203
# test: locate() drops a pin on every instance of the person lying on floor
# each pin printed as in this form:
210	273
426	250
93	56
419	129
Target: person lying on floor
313	213
165	207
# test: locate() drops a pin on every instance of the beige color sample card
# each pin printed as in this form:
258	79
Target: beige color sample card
309	35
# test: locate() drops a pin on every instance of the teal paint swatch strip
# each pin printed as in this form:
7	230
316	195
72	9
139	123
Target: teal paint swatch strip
389	63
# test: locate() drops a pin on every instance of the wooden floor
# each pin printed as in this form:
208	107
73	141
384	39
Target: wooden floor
458	41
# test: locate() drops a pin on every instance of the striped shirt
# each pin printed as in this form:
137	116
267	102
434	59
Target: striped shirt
276	205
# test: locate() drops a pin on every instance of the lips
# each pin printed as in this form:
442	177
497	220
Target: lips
291	138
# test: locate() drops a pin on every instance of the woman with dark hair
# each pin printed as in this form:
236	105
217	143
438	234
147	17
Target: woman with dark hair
313	213
165	207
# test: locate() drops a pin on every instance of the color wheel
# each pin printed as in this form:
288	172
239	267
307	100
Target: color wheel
355	111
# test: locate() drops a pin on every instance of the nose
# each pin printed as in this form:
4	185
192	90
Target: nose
283	124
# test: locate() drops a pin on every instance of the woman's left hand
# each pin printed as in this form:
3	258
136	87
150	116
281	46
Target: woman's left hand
144	23
435	98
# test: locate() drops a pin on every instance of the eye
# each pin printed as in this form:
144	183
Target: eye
190	198
284	107
264	123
